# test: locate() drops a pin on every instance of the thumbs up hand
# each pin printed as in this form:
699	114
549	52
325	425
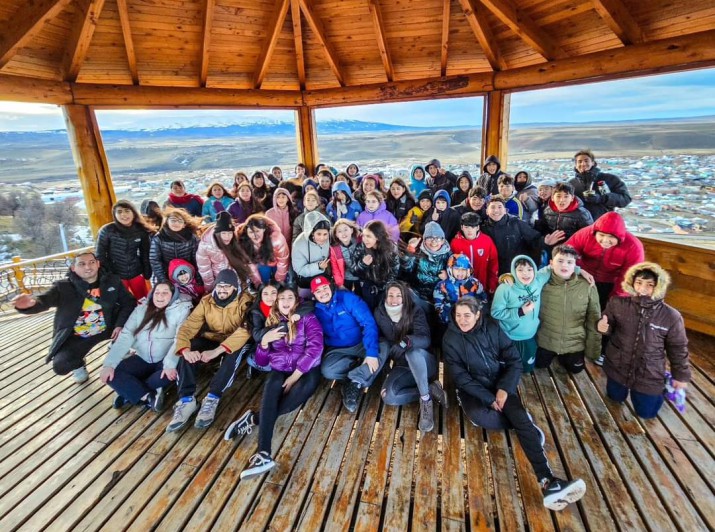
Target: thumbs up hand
602	325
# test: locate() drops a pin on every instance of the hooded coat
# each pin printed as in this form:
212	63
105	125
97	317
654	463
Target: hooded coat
530	202
353	206
644	332
448	219
569	312
210	259
399	207
191	203
347	321
303	353
306	253
482	254
422	270
459	195
124	251
383	215
570	220
281	256
151	345
448	291
482	360
487	181
282	216
606	191
212	206
417	185
508	300
165	246
446	181
608	265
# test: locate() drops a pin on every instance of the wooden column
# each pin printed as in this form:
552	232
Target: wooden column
91	161
495	126
307	137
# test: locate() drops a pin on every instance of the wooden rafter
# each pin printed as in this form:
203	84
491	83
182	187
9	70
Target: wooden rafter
27	21
317	26
298	40
476	16
521	24
206	41
81	37
379	25
128	40
446	5
275	25
619	19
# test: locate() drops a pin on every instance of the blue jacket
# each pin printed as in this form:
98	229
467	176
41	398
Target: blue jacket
417	186
346	321
508	300
354	208
209	211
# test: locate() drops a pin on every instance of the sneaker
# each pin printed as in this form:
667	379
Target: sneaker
182	413
351	394
249	373
437	393
257	464
243	425
207	413
558	494
599	361
426	423
118	402
157	401
80	375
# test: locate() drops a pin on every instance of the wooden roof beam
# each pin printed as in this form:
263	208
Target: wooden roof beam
275	25
525	28
128	40
33	90
81	37
317	26
379	24
298	41
616	15
444	55
206	41
476	16
27	22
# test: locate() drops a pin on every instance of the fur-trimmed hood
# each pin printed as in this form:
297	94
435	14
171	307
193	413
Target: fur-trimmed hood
661	286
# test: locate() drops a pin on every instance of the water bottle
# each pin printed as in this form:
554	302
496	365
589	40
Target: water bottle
677	397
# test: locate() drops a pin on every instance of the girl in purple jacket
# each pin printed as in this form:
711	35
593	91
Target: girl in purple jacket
376	209
293	350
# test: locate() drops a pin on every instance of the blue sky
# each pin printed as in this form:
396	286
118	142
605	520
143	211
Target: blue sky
685	94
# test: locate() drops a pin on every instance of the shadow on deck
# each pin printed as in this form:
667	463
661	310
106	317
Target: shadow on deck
70	461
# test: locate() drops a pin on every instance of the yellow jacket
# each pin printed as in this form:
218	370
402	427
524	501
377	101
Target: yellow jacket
407	225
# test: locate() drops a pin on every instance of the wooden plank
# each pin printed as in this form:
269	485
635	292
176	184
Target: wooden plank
206	40
275	25
81	37
606	501
34	90
424	515
506	495
128	40
444	55
476	16
316	24
29	19
307	137
379	25
616	15
397	510
452	471
298	41
495	129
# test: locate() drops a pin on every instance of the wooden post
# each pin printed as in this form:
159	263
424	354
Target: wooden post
495	126
307	137
91	161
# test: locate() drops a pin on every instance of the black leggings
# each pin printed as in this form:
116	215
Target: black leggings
71	355
276	403
571	362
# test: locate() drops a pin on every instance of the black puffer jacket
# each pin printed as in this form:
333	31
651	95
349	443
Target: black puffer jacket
68	296
606	191
482	360
124	251
511	237
164	248
570	220
419	335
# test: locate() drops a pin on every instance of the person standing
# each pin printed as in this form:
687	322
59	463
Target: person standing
600	192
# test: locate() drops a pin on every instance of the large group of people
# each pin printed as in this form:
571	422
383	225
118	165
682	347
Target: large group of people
342	276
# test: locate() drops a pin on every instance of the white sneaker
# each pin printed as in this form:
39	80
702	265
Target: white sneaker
182	414
558	494
80	375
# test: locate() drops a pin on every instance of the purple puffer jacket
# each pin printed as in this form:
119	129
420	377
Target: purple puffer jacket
385	216
303	354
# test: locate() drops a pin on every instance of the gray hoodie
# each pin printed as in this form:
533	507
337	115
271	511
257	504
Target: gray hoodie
306	254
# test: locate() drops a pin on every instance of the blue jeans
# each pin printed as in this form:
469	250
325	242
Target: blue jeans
646	406
266	272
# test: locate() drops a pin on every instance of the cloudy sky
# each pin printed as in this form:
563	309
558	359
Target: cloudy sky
686	94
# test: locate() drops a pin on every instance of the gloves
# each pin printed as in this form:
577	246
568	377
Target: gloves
398	350
594	199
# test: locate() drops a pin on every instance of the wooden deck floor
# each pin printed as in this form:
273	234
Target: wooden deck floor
70	461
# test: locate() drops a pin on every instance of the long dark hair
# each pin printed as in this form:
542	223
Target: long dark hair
253	205
264	253
274	318
154	316
383	253
138	218
392	201
405	325
236	256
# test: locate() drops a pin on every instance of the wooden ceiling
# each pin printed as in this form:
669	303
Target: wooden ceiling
270	49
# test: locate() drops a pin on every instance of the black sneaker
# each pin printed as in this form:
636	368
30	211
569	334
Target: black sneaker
249	373
351	394
558	494
118	402
243	425
600	360
437	393
156	400
257	464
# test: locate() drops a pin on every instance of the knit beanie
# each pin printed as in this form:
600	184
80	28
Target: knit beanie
433	230
227	276
223	223
425	194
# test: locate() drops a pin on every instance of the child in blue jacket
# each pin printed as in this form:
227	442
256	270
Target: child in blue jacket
459	283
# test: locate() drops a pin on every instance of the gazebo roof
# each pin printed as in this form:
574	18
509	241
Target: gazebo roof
286	53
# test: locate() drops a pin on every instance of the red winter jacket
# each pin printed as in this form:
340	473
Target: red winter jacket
482	254
608	265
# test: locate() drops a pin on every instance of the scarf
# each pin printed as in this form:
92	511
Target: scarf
394	313
223	303
182	236
265	309
182	200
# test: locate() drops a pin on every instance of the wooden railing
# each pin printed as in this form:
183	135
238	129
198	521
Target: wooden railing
33	275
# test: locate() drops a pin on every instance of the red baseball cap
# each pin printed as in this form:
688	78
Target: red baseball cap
318	282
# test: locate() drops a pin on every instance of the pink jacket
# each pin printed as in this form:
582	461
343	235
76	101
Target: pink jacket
281	217
281	252
210	259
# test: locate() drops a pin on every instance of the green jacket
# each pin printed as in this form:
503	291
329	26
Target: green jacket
569	313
